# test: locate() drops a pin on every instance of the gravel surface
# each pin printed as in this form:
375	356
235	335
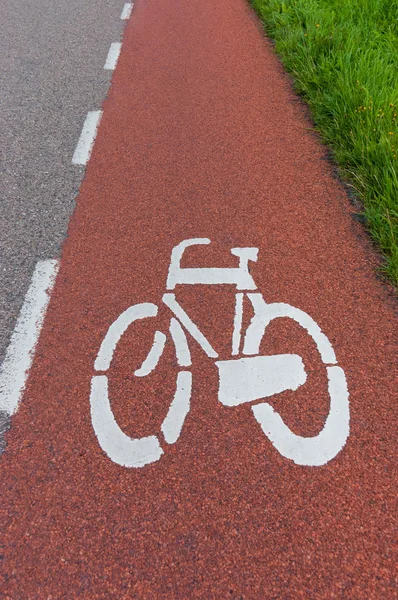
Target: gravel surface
51	75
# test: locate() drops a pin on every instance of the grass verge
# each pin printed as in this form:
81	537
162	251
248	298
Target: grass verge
344	59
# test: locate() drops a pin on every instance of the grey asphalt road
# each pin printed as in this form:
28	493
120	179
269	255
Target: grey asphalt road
51	75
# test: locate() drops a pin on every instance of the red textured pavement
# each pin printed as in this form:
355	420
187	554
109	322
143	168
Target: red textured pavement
202	137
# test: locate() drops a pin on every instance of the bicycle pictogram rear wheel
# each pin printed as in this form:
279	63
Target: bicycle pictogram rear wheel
306	451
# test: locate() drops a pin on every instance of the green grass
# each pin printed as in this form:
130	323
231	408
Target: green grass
343	56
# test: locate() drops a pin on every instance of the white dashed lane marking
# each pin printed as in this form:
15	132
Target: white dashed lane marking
113	55
87	137
126	12
20	352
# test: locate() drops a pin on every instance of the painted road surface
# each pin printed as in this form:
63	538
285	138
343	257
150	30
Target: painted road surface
211	407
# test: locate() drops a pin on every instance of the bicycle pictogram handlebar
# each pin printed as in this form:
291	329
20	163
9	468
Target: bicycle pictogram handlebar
238	276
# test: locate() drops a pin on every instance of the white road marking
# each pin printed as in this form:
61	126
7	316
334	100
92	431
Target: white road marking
151	361
113	55
117	329
320	449
237	332
126	12
179	338
238	276
265	313
120	448
241	380
172	425
171	302
248	379
87	137
20	352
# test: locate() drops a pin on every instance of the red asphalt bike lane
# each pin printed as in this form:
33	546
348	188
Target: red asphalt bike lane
202	137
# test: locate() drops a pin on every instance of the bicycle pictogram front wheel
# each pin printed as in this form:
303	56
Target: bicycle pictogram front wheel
119	447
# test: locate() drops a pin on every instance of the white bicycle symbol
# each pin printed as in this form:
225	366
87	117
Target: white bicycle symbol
241	380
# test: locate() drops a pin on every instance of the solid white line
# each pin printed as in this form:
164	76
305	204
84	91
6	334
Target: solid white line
113	55
87	137
19	356
126	12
